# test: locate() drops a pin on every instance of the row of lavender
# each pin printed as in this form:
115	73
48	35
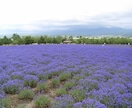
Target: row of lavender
105	72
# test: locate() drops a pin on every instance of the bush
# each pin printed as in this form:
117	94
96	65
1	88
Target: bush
55	82
13	86
69	85
43	86
64	101
21	106
78	95
42	76
60	91
26	94
30	80
17	75
5	103
55	73
4	78
42	102
77	78
65	76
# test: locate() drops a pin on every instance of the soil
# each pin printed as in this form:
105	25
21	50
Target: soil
15	101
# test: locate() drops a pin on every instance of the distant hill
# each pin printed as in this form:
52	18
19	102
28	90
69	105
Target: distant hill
86	30
75	30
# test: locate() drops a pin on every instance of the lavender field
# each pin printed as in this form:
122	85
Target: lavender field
85	76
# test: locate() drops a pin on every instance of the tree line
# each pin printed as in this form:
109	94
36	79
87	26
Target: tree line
18	40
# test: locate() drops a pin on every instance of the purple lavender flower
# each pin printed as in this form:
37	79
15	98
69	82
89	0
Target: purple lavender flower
91	103
13	86
30	80
64	101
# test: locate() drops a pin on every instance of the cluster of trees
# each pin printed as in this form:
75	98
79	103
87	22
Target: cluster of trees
16	39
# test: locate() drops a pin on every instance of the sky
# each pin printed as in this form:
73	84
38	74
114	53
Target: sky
26	16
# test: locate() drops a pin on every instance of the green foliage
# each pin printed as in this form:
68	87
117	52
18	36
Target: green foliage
78	95
69	85
77	78
26	94
55	73
16	39
42	76
42	102
5	103
60	91
50	75
28	40
11	89
65	76
43	86
13	77
21	106
55	82
32	83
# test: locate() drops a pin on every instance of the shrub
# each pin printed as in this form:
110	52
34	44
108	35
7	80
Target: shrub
55	82
77	78
13	86
2	94
69	85
21	106
26	94
17	75
5	103
4	78
64	101
55	73
43	86
60	91
50	75
65	76
42	76
42	102
78	95
30	80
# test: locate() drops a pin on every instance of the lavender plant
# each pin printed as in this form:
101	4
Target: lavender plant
42	102
26	94
13	86
30	80
42	86
55	82
103	73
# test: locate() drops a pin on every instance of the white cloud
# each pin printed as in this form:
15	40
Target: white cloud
32	14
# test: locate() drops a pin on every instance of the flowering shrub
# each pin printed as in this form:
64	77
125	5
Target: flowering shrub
89	103
65	76
64	101
17	75
30	80
78	95
13	86
69	85
4	78
42	102
21	106
5	103
60	91
55	82
104	74
43	86
26	94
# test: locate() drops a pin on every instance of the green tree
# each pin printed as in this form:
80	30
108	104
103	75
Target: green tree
41	40
6	40
16	39
28	40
